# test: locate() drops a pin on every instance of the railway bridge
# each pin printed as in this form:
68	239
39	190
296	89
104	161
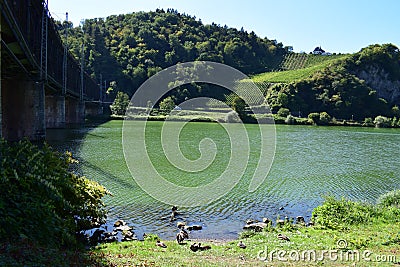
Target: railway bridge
42	85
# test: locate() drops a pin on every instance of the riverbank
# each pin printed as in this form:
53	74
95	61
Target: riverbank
265	249
210	116
371	240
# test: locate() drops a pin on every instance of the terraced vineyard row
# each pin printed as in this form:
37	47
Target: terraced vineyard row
296	67
294	61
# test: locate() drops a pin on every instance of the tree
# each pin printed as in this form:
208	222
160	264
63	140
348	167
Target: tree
120	104
314	117
283	112
239	106
395	111
283	99
113	87
167	105
324	118
381	122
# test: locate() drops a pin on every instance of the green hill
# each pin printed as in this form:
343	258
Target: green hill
128	49
125	50
299	66
361	85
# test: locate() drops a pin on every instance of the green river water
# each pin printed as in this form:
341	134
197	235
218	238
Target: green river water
310	162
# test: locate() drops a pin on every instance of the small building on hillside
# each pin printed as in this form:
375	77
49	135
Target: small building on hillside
318	51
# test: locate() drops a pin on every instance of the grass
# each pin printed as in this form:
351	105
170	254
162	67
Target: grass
382	239
373	239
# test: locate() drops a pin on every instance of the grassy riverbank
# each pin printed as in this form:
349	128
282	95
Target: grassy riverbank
358	235
382	240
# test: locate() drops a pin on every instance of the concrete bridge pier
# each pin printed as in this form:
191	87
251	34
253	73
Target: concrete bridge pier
22	109
55	111
93	109
74	111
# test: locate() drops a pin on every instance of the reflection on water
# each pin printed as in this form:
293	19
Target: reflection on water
310	162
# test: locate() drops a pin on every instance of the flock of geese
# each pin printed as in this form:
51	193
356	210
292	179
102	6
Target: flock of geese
183	234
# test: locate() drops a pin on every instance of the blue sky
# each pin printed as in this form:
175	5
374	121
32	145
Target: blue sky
337	25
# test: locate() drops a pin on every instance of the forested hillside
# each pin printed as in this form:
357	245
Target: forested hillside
127	49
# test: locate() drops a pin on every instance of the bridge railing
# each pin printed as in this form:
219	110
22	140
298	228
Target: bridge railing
27	15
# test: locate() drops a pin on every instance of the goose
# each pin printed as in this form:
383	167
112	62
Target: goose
160	244
194	247
182	235
203	247
241	245
283	237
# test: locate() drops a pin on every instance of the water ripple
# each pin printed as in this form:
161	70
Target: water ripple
310	163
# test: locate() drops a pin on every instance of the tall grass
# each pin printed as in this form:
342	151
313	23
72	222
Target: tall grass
343	213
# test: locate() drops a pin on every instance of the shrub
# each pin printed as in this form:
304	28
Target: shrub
381	122
290	120
391	198
239	105
120	104
232	117
283	112
368	122
394	122
167	105
324	118
336	214
314	117
41	200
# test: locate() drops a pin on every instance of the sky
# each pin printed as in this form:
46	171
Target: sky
338	26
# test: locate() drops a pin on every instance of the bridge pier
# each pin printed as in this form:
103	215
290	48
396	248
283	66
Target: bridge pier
22	106
55	111
93	109
63	111
74	111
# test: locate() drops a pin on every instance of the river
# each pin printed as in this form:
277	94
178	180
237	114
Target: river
310	162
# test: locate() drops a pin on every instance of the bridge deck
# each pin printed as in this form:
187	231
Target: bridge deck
22	50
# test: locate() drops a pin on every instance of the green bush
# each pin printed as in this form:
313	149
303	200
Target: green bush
314	117
290	120
381	122
324	118
167	105
120	104
368	122
283	112
41	200
336	214
239	105
391	198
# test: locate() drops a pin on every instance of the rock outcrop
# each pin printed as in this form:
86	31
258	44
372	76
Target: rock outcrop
378	79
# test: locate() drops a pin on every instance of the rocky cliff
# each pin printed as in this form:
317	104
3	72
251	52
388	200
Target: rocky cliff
378	79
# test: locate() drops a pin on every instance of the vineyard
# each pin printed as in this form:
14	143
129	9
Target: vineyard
296	67
295	61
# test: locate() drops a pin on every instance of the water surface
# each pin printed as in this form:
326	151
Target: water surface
310	162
